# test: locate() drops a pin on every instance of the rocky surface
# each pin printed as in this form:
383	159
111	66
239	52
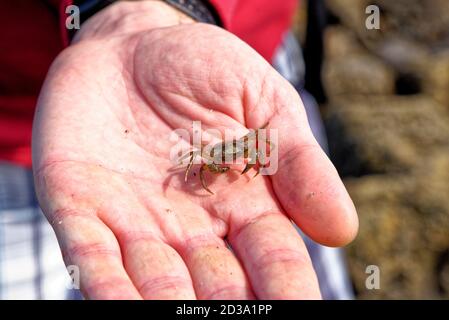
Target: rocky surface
384	133
403	219
387	118
426	22
373	76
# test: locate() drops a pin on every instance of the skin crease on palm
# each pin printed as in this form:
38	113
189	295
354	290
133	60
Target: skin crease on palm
134	73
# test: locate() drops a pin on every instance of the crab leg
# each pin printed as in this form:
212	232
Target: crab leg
203	181
252	163
248	166
192	155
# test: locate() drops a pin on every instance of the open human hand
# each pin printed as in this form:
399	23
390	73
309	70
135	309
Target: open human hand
104	179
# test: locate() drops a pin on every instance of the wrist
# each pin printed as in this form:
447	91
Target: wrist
128	17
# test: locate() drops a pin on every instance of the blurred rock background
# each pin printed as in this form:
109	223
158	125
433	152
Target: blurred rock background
387	116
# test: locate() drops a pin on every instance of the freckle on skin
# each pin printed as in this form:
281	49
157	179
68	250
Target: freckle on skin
310	195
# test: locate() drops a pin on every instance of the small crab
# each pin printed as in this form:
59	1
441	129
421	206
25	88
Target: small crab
216	155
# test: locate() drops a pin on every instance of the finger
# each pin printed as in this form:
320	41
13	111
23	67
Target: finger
305	181
275	258
310	190
216	272
90	246
156	269
265	241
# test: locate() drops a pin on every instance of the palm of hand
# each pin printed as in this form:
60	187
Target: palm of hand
123	215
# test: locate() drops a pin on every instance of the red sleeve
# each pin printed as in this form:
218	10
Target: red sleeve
29	41
260	23
225	10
